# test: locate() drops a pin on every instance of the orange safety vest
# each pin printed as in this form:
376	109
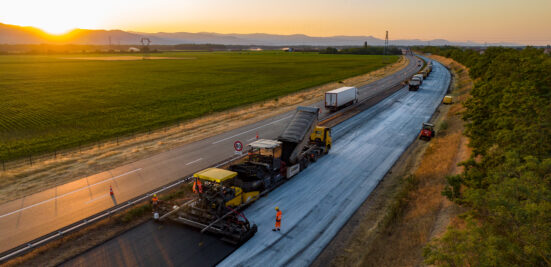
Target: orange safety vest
278	216
197	186
155	199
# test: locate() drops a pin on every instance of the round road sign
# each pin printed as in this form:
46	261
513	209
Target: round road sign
238	146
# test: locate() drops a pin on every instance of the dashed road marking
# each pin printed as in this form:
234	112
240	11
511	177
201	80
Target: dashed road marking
248	131
197	160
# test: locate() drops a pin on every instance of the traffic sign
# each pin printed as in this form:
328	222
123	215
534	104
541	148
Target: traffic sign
238	146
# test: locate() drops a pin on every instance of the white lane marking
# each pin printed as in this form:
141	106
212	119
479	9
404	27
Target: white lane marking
276	121
189	163
68	193
251	139
94	199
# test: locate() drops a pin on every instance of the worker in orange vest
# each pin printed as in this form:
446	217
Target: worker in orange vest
197	187
155	200
278	220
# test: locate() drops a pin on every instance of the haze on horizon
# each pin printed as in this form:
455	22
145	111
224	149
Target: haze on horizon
523	22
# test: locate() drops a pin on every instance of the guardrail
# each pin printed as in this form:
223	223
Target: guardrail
19	250
6	255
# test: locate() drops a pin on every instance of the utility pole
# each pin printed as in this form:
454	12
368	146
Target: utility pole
386	43
145	47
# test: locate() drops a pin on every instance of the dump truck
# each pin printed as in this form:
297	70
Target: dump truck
223	194
448	100
341	97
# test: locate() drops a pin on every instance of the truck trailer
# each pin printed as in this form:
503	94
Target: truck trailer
341	97
217	206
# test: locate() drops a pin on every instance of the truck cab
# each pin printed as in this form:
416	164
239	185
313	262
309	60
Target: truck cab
322	136
414	83
265	152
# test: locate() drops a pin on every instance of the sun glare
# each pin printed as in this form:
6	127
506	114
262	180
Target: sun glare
58	29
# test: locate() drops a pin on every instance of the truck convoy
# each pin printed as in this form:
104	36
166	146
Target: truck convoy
341	97
222	194
417	80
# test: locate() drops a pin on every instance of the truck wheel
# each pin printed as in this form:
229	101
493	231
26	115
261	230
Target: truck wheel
304	163
312	157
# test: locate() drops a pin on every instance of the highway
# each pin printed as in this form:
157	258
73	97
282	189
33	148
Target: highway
27	218
315	203
320	200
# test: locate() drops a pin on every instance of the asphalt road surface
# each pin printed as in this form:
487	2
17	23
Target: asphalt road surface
25	219
319	201
315	203
153	244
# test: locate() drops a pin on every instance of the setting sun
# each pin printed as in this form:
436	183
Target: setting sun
56	28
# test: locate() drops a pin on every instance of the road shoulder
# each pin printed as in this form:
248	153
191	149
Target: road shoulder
407	209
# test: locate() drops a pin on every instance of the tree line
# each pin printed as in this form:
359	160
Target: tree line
365	50
506	183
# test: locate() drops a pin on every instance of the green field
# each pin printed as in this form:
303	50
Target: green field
50	102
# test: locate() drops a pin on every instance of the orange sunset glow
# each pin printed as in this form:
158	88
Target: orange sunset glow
524	22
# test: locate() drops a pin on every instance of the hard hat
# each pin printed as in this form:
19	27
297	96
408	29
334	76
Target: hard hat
277	208
154	195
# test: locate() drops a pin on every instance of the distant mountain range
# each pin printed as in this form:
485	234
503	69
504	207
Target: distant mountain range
12	34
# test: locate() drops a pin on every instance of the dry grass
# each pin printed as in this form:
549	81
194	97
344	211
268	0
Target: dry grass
418	211
16	183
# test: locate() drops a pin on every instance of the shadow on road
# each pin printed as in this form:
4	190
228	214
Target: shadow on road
114	199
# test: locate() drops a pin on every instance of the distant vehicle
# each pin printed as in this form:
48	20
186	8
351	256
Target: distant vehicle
420	76
447	100
427	132
341	97
414	83
425	73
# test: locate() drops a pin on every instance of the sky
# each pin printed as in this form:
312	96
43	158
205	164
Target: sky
518	21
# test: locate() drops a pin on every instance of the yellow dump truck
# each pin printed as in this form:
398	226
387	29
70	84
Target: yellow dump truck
448	100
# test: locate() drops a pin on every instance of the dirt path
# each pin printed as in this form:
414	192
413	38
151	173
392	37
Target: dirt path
407	209
23	181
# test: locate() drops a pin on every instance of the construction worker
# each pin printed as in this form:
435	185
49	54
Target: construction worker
197	187
154	200
278	220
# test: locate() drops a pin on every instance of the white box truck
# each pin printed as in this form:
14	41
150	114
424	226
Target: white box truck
341	97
